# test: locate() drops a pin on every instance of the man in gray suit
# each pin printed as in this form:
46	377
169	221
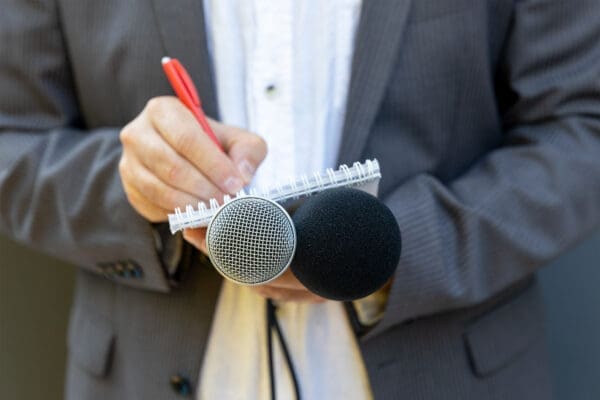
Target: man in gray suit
484	115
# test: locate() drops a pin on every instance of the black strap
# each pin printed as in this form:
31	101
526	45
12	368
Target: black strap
270	313
272	322
359	329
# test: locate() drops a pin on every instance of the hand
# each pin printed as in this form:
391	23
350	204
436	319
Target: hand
169	162
287	288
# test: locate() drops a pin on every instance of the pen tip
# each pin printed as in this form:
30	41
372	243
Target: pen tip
165	60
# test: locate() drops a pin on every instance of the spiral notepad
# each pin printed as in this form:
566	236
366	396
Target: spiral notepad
358	175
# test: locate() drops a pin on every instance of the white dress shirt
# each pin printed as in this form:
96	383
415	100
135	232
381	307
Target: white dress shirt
282	70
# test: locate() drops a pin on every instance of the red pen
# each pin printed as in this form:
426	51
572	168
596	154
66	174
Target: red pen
186	92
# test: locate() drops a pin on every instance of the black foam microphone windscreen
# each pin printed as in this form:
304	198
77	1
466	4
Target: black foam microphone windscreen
348	244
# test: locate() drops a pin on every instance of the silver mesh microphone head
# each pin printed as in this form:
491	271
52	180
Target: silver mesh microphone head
251	240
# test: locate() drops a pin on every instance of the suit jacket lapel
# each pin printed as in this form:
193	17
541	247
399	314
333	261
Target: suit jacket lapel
183	32
378	38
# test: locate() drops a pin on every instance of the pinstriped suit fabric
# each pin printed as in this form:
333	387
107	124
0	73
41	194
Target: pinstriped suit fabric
484	115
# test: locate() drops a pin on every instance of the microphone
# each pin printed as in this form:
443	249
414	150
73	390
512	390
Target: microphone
251	240
349	244
342	244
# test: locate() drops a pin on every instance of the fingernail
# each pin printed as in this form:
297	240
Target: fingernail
247	170
233	185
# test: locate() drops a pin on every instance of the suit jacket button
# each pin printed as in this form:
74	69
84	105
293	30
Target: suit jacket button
106	269
181	385
137	273
120	269
134	269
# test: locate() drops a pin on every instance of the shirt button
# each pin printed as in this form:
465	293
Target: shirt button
271	91
181	385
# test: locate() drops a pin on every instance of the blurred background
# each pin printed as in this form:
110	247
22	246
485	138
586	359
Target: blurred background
35	296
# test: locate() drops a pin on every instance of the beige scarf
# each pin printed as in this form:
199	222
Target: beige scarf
321	343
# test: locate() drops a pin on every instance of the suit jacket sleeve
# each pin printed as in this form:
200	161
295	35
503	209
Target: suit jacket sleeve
60	191
523	204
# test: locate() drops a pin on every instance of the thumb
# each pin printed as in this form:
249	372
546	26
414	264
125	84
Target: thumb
246	150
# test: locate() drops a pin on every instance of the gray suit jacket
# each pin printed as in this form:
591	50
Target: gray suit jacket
484	115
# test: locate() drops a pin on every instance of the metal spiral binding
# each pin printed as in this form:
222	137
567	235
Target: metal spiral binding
356	175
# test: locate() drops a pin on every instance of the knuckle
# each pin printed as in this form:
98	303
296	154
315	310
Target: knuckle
260	143
173	172
132	197
256	143
184	141
213	194
259	146
217	172
174	168
154	105
206	193
126	135
126	173
158	108
123	167
146	188
212	169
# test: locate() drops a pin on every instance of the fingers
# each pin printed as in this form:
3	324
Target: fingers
287	288
181	131
137	179
169	162
284	288
278	294
160	159
287	280
145	207
247	151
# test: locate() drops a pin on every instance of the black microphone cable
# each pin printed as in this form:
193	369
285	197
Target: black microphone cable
273	324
